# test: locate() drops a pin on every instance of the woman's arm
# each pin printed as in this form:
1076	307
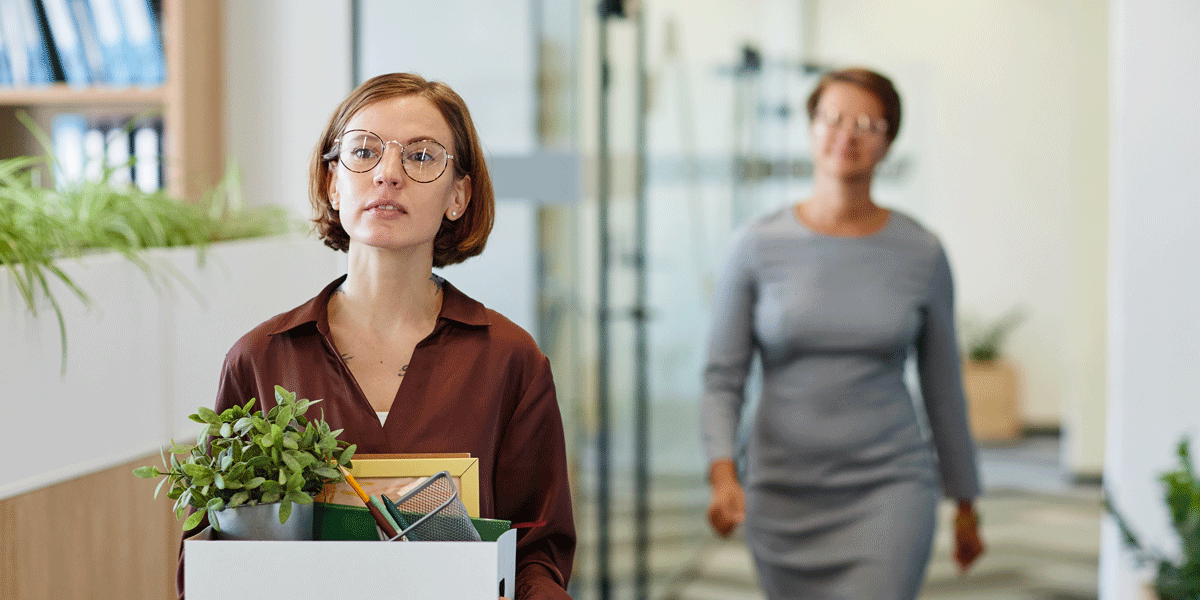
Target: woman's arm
531	486
939	366
731	348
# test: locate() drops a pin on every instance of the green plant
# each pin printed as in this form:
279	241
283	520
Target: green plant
1173	579
40	226
247	458
983	341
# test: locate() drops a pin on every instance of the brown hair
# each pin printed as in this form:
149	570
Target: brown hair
880	86
456	240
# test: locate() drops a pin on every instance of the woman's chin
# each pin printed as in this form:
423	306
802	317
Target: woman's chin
847	172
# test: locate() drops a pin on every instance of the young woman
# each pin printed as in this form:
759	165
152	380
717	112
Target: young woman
403	361
833	293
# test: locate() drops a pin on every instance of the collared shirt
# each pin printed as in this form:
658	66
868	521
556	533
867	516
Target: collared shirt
478	384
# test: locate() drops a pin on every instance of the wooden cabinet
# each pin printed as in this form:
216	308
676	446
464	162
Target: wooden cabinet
189	102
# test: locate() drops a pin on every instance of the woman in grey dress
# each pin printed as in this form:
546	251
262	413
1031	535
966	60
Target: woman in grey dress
834	293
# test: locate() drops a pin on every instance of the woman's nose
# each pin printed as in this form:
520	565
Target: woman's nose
390	170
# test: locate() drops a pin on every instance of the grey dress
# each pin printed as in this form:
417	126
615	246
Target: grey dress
841	483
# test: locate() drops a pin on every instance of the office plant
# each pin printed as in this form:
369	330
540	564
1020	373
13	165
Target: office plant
990	379
1175	578
244	457
41	226
984	342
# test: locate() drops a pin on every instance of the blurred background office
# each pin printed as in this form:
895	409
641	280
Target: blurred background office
1050	144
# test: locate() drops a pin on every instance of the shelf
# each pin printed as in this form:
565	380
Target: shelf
193	149
62	94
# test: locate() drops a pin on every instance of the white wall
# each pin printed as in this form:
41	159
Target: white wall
1154	334
1007	101
287	67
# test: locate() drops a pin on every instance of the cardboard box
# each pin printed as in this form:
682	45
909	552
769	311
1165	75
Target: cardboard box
221	569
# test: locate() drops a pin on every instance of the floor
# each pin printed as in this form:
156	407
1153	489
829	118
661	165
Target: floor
1042	533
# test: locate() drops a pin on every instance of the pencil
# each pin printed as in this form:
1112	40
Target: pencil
380	520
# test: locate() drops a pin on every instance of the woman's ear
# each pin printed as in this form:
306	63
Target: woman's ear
331	190
462	198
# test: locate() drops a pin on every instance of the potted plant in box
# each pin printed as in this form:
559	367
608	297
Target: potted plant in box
990	380
248	470
1174	578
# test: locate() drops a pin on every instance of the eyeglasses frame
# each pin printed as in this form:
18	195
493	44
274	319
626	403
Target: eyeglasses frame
874	127
337	143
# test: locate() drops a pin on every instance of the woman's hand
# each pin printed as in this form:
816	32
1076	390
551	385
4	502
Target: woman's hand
968	544
728	507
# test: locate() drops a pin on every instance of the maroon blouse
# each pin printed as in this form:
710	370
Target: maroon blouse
478	383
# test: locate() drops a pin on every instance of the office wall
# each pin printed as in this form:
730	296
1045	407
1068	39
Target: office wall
287	66
1154	279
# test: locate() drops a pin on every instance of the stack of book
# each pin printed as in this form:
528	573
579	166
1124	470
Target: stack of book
105	43
122	151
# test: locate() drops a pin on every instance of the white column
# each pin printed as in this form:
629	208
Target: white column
1154	252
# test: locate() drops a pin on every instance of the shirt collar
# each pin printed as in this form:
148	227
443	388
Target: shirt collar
456	307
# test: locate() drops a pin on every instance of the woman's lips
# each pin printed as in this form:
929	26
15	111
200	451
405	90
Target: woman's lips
384	208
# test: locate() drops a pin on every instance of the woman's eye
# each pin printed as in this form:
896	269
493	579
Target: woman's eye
364	153
420	156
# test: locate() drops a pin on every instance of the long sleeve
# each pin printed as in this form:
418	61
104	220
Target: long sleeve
940	371
531	486
730	352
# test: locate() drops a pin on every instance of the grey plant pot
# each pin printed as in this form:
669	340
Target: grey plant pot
261	522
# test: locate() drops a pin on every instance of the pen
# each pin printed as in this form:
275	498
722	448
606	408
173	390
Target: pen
380	520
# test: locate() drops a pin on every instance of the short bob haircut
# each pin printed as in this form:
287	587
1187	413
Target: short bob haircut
878	85
456	240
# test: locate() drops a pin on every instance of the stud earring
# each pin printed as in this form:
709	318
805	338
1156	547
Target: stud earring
454	213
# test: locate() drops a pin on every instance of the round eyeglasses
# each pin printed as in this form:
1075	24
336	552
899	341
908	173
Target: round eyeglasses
862	125
360	151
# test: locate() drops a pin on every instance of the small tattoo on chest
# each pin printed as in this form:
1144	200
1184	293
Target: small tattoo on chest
346	356
403	370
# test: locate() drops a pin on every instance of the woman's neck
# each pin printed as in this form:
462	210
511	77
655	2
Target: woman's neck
842	207
386	290
842	196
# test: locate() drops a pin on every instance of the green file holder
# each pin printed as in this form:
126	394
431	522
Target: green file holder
354	523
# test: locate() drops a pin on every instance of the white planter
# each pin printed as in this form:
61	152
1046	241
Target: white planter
142	357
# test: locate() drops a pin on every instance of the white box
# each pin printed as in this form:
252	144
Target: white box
222	569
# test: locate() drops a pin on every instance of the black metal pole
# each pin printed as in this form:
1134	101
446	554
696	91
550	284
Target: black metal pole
603	194
641	398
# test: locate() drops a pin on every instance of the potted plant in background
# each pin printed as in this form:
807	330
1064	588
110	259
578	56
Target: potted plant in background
1174	578
990	380
254	474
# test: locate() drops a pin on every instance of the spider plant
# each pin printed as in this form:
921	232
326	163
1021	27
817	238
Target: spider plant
40	226
1175	577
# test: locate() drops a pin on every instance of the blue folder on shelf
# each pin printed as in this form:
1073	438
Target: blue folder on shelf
67	43
117	55
68	133
81	13
6	77
142	32
29	54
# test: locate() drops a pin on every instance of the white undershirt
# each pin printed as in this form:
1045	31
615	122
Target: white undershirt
382	417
